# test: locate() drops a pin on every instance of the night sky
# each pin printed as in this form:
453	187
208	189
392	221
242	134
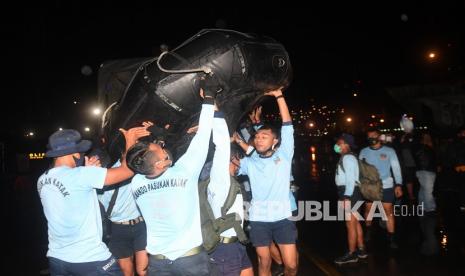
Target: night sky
333	50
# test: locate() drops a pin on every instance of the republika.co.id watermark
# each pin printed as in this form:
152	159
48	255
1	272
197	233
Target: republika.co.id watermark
316	210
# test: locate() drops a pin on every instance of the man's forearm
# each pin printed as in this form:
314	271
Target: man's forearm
283	109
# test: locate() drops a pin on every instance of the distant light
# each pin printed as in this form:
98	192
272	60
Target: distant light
96	111
313	157
373	116
432	55
35	155
75	102
425	127
86	70
355	94
312	149
86	129
311	125
381	120
411	118
60	129
404	17
31	133
349	119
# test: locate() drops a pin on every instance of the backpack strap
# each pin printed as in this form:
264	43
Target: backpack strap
234	190
340	162
112	203
226	221
203	200
232	220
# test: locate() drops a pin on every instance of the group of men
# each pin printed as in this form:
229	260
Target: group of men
155	210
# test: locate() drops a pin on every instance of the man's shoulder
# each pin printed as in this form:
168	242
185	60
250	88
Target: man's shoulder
138	179
365	150
349	158
389	150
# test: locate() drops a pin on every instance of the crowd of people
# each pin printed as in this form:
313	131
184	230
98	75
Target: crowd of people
415	161
149	215
153	203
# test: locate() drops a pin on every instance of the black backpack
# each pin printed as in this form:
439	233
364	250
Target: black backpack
211	227
369	183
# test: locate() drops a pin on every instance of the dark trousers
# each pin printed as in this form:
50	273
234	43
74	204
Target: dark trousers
62	268
196	265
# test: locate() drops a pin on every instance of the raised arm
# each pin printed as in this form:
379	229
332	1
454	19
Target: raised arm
283	109
196	154
219	174
287	130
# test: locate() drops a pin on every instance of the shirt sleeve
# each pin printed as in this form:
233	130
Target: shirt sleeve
243	166
395	166
362	154
287	140
219	175
245	134
194	158
249	151
351	173
91	177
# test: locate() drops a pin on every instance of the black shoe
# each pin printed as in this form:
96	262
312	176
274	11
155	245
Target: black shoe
361	253
347	258
277	269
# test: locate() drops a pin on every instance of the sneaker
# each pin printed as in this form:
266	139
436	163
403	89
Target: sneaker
361	253
347	258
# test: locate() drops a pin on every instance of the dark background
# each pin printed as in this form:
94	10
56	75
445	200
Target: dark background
334	49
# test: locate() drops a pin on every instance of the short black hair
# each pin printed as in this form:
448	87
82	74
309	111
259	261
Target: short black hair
140	159
374	130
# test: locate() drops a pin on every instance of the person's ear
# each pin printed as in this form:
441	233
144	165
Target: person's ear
275	142
158	165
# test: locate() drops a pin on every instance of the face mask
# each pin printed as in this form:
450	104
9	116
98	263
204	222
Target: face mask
373	141
337	148
79	161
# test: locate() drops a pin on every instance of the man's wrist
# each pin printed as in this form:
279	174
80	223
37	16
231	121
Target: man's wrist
279	96
209	100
